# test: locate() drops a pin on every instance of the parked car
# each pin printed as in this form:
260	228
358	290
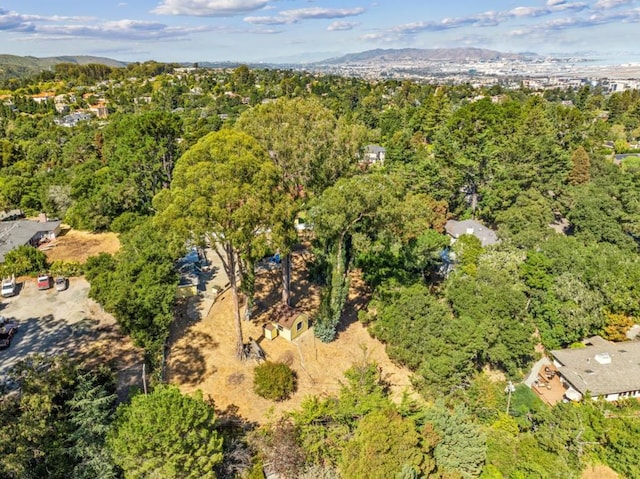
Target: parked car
9	286
44	281
8	329
61	283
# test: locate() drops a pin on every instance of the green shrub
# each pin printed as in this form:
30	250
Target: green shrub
66	268
275	381
25	260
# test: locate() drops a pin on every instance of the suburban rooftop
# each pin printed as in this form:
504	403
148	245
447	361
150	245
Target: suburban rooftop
602	367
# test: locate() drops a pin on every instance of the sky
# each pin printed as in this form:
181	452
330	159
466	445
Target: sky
308	30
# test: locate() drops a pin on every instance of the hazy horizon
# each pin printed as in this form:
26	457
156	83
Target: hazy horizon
259	30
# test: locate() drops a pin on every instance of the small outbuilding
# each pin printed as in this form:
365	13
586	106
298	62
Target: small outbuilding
270	331
289	326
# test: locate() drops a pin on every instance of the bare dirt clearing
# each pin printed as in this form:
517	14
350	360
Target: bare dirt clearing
203	351
74	245
599	471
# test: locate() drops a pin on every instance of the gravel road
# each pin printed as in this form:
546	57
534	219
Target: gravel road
52	322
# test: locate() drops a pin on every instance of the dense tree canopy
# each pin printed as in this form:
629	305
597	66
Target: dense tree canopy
536	166
166	434
223	192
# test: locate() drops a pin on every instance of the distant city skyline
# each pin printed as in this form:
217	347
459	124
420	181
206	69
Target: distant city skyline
308	30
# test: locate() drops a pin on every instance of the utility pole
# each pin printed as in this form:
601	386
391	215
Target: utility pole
509	390
144	378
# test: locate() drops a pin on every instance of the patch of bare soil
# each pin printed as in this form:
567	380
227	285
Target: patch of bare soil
111	346
494	375
75	245
203	352
599	471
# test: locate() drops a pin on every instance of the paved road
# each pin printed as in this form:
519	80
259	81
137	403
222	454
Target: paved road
51	322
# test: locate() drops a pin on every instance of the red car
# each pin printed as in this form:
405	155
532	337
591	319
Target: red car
8	329
44	281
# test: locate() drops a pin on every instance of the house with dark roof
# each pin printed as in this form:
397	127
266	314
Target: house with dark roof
455	229
26	232
373	155
602	369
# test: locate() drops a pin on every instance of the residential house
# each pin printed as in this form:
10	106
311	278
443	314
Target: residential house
72	119
61	104
26	232
99	109
43	97
373	155
602	369
455	229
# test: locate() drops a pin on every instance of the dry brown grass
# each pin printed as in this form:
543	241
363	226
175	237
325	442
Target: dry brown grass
203	352
75	245
599	471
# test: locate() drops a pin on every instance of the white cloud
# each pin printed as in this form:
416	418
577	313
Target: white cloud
380	37
267	20
208	8
562	7
495	18
338	26
121	29
528	12
55	27
286	17
609	4
317	12
545	29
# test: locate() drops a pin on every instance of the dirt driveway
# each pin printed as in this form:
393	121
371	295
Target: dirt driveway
52	322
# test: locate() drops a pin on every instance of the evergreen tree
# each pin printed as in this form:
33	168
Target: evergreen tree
91	410
166	434
580	167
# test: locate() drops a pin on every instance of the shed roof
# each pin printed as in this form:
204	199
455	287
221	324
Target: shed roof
602	367
458	228
19	232
288	320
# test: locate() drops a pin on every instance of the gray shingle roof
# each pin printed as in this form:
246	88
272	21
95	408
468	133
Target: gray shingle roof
458	228
375	149
20	232
602	367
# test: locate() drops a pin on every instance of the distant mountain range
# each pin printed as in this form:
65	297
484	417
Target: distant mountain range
46	62
15	66
421	54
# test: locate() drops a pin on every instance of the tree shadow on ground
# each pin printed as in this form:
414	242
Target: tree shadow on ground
85	341
268	289
188	362
238	455
357	300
